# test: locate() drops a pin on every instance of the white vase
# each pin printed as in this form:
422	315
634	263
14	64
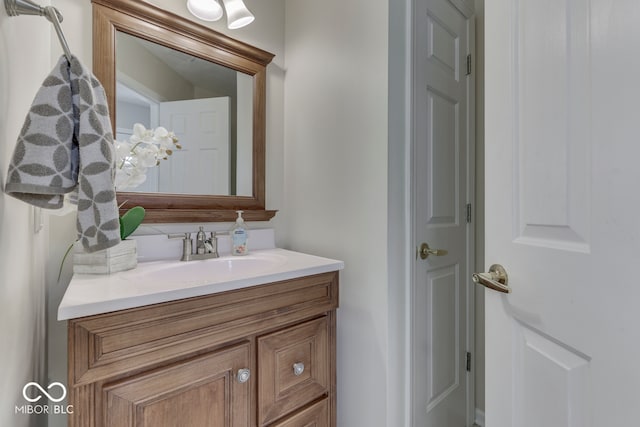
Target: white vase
121	257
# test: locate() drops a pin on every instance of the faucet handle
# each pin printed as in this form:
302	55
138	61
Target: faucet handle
214	242
185	236
187	247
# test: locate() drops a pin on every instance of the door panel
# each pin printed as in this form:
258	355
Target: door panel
444	159
444	374
549	374
551	91
561	212
195	393
203	129
442	152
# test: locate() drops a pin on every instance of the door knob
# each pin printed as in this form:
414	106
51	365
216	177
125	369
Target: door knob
243	375
425	251
495	279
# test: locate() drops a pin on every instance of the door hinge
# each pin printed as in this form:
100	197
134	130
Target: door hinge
468	213
468	362
468	64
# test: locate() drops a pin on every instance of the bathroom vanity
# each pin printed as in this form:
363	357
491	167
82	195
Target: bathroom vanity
164	345
232	341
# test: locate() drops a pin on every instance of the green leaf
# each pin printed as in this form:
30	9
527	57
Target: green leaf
130	221
66	254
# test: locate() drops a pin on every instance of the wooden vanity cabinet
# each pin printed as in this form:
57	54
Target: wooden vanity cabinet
258	356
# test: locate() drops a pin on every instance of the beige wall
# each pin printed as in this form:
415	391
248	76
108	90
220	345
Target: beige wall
335	183
148	75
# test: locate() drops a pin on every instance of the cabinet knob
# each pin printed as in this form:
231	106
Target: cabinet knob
243	375
298	368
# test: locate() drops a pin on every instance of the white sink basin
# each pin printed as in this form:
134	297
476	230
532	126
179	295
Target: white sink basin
161	281
208	271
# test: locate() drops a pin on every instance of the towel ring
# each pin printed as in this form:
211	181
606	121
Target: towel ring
27	7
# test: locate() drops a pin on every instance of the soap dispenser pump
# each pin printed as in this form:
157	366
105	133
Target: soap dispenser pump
239	236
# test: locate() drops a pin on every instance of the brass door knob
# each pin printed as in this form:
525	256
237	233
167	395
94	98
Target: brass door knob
496	279
425	251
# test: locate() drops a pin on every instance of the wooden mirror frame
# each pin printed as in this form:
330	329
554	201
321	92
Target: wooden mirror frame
149	22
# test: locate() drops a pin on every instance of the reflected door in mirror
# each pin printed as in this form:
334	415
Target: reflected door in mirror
202	165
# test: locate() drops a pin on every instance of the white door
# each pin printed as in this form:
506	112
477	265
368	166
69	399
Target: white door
562	208
202	126
443	156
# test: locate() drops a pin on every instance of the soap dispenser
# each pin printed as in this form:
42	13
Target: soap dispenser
239	236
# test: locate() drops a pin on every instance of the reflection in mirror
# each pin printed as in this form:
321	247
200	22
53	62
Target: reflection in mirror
209	107
203	196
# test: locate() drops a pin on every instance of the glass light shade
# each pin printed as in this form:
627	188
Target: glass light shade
237	14
207	10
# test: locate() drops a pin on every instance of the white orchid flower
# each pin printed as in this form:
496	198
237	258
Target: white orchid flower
148	156
140	133
144	149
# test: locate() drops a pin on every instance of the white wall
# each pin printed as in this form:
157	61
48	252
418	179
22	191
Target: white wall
24	64
335	181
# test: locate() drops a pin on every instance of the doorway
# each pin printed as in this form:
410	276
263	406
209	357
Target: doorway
436	307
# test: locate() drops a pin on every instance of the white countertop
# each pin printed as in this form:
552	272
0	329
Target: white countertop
161	281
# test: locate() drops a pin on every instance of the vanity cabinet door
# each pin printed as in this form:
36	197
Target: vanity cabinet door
204	391
294	369
316	415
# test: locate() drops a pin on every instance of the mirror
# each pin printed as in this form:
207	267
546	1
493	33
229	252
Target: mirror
208	106
160	69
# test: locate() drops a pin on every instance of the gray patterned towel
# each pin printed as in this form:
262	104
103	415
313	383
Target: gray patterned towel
66	142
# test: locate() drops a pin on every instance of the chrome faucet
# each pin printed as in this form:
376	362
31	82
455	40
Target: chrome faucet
206	248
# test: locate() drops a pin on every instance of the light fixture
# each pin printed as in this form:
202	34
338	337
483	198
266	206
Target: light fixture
207	10
210	10
237	14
